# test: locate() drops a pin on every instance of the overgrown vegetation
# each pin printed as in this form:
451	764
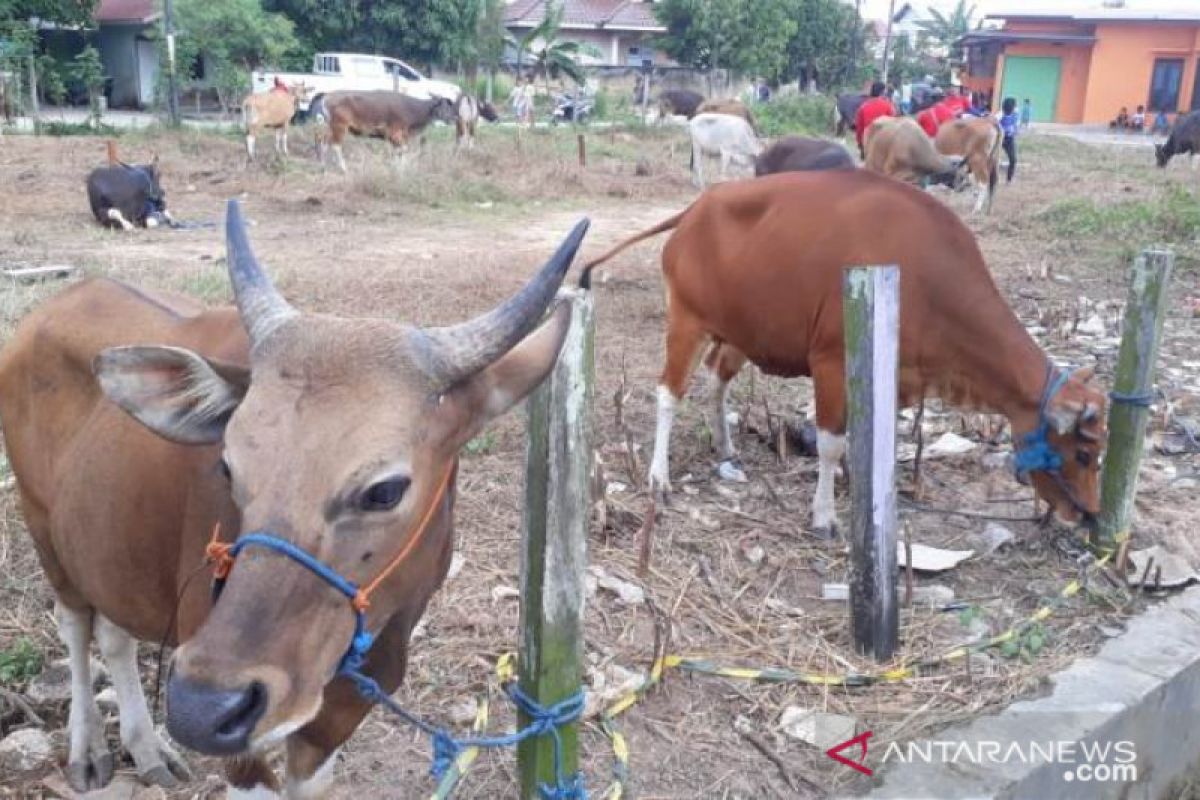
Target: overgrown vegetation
1172	217
807	115
19	662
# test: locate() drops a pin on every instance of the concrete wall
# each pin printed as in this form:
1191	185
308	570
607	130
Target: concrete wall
1123	62
118	51
1074	70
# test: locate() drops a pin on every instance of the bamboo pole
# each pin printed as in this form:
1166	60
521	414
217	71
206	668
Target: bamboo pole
558	462
1134	380
871	318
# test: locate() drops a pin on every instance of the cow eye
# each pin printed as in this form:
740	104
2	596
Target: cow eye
1083	458
383	496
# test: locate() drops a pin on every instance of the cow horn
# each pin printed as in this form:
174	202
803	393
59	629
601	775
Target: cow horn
261	307
455	352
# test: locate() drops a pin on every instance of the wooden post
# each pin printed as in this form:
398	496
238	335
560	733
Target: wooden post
558	463
582	146
1144	315
871	311
35	109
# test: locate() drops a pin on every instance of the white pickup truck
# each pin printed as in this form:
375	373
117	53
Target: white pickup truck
356	72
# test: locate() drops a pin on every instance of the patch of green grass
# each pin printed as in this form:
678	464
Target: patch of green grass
481	444
62	128
210	285
804	115
1173	217
19	662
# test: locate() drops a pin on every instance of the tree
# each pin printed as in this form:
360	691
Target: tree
87	70
946	29
819	54
490	40
750	38
554	57
234	37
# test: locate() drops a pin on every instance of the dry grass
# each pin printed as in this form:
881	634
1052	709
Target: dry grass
444	238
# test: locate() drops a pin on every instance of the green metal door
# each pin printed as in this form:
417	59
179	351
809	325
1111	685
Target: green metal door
1035	77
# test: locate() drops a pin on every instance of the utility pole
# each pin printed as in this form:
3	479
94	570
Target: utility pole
172	83
887	40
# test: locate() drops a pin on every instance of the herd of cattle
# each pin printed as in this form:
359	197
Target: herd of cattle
146	432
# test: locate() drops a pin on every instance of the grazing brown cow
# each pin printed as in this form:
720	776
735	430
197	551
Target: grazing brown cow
271	109
338	437
389	115
731	106
802	154
977	140
758	265
898	148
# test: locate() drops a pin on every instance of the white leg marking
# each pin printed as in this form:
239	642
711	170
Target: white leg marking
341	159
1192	160
830	449
283	136
317	785
151	754
660	467
116	216
725	158
89	763
250	146
259	792
697	166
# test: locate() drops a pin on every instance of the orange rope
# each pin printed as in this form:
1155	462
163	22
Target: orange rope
217	552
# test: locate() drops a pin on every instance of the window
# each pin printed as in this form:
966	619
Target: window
327	64
403	70
1164	85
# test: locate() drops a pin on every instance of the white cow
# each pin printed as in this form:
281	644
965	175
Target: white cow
730	137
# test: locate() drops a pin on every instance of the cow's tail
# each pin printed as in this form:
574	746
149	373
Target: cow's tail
585	280
994	163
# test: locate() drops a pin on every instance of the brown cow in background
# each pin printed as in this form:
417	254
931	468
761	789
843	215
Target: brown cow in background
898	148
384	114
977	141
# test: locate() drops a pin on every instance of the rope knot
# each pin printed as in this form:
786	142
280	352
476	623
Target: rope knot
219	556
445	750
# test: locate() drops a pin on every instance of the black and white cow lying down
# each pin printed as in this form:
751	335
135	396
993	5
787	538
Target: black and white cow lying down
128	195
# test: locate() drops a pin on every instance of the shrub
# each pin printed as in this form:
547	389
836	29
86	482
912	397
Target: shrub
806	115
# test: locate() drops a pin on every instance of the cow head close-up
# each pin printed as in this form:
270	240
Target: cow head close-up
340	438
1077	435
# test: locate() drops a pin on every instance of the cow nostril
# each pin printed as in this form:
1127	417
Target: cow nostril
212	720
239	720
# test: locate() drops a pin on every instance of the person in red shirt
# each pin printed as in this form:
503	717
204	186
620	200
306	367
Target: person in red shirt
872	109
935	116
958	102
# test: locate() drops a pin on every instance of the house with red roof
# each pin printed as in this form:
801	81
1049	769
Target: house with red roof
613	32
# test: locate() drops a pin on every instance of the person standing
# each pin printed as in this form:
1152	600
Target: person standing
1009	122
1026	113
872	109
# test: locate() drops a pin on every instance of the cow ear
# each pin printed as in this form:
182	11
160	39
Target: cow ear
504	383
174	392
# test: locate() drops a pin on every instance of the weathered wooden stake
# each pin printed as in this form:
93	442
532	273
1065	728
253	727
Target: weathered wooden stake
1144	315
871	311
558	463
582	144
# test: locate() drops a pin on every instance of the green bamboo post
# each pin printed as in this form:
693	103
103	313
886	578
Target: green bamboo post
558	462
871	319
1144	315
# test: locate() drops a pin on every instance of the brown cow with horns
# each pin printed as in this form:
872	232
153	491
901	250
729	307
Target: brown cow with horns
756	268
337	435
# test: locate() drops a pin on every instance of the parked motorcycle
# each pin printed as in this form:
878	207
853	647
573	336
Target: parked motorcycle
572	108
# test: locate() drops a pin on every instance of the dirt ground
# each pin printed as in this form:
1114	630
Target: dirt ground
734	566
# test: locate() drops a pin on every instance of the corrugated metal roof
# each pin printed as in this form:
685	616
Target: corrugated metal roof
606	14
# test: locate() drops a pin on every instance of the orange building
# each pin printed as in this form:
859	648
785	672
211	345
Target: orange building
1084	66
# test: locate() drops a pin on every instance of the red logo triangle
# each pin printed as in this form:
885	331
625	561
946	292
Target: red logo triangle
835	753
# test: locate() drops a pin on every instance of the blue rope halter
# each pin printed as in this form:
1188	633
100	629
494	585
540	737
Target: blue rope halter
1035	453
446	748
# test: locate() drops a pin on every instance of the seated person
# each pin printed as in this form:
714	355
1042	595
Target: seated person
1122	120
1138	121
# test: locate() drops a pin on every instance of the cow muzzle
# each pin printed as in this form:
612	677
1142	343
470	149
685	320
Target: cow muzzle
212	720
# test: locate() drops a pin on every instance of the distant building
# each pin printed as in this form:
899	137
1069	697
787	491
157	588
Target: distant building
614	32
1084	66
128	51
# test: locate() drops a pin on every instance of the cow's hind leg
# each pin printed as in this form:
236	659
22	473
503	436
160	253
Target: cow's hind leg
115	215
724	362
685	336
156	762
830	392
89	763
